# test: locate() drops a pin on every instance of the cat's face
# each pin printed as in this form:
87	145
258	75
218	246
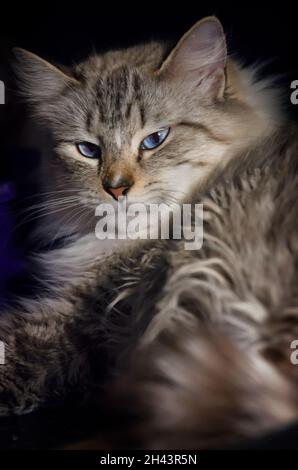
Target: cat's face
139	122
135	131
130	128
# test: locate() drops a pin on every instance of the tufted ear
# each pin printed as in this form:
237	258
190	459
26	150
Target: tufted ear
38	79
199	58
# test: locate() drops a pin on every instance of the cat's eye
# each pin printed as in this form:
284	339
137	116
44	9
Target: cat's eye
154	140
89	150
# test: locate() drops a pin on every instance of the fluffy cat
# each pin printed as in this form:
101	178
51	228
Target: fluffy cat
110	104
206	326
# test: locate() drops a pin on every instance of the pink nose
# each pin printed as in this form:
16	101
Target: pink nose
117	192
117	186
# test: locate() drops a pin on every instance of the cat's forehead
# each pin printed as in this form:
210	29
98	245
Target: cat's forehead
119	94
144	57
122	95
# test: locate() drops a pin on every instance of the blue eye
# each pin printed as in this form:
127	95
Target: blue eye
89	150
155	139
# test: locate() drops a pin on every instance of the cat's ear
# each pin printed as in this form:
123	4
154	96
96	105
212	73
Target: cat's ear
199	58
38	79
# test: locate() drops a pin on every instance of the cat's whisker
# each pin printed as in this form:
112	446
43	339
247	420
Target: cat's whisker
50	203
45	194
47	204
67	222
41	213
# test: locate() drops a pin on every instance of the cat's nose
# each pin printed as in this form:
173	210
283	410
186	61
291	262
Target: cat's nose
117	188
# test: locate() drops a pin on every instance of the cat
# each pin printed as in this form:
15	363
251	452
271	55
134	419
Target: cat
185	336
111	107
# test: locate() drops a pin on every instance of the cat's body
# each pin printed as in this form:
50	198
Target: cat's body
207	325
212	328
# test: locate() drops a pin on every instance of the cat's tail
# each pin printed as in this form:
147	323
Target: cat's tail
196	389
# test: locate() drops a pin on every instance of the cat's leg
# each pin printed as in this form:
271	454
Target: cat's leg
40	359
205	375
194	388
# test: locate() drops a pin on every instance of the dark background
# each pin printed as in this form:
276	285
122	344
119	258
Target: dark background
67	32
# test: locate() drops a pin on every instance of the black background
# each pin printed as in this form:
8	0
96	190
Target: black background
68	31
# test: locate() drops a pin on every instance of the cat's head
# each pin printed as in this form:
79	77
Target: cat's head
144	122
